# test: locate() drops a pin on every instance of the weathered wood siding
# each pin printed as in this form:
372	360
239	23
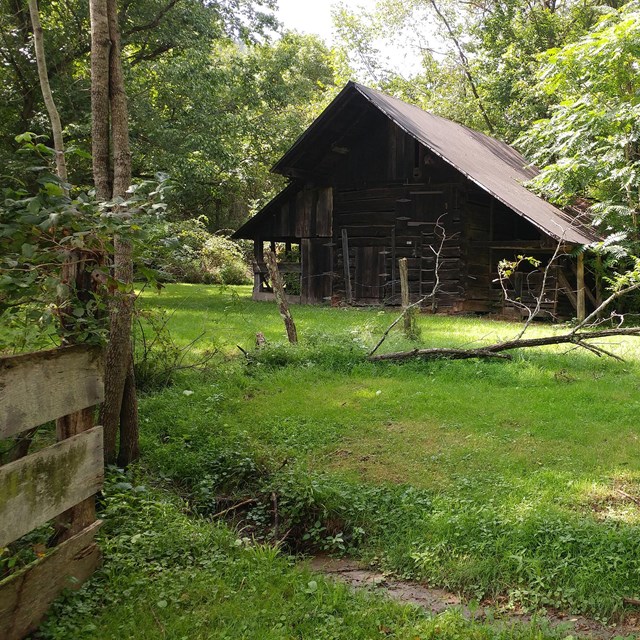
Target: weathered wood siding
393	198
39	487
56	482
26	596
43	386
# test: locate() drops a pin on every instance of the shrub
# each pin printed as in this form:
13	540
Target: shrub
185	251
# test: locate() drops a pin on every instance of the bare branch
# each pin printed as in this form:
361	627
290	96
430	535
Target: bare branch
567	338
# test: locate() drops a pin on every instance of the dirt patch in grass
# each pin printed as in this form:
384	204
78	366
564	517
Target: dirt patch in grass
437	601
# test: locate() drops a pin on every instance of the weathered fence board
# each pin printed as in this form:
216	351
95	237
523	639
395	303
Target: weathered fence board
42	386
39	487
26	595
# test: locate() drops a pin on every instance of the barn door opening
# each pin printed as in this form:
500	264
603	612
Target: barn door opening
369	269
317	261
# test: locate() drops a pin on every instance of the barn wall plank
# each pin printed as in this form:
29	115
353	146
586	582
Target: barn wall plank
26	595
39	487
45	385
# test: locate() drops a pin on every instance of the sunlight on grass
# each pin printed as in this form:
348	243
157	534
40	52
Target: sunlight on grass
521	459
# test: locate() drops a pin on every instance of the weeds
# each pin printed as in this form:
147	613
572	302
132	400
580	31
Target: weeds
157	356
166	575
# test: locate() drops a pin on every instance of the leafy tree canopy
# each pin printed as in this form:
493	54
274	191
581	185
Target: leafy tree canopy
214	98
588	145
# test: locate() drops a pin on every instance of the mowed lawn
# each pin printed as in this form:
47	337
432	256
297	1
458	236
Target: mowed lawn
567	421
524	464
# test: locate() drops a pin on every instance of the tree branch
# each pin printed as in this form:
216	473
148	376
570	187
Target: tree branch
497	348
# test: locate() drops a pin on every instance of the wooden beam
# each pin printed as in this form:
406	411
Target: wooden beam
581	307
42	386
598	283
347	266
41	486
566	288
587	291
26	595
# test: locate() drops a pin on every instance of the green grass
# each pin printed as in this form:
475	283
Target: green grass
495	479
167	575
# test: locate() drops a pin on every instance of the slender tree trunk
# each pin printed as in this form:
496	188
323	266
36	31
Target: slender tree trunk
129	450
119	375
54	116
466	67
100	49
277	285
110	115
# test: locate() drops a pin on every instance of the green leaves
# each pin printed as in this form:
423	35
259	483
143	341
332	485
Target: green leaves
588	146
39	235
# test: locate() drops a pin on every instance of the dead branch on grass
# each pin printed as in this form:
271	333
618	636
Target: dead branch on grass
579	336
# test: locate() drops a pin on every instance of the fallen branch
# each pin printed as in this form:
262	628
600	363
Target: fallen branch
234	507
624	494
495	350
440	353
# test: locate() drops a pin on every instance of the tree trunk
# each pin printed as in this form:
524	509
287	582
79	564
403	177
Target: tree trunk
100	48
281	298
129	447
54	116
110	114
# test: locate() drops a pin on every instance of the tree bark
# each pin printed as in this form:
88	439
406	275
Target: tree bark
119	358
110	116
280	295
100	50
54	116
129	450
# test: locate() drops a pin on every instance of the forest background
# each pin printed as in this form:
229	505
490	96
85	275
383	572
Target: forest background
218	91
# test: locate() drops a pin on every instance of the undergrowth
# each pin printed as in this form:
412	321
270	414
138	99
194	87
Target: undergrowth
493	479
168	575
538	558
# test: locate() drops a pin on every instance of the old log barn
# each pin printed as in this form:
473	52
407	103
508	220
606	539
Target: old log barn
374	179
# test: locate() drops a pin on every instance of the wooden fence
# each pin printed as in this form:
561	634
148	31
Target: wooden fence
59	481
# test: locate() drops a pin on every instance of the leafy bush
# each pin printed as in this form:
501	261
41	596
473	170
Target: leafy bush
186	251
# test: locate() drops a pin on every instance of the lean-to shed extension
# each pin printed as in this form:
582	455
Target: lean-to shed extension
375	179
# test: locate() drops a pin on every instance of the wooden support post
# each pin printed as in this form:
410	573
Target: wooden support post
393	265
599	283
581	310
258	256
278	290
347	266
406	301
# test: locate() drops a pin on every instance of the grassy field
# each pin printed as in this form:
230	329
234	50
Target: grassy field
499	480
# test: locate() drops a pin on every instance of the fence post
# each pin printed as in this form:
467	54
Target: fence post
409	313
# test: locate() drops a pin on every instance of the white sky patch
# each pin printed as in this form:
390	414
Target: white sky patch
314	16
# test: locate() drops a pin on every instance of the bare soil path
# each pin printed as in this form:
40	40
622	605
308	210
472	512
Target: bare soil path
438	600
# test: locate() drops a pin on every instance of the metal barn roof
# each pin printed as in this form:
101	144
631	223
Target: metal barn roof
493	165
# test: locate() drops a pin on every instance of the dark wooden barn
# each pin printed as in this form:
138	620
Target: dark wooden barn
374	179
